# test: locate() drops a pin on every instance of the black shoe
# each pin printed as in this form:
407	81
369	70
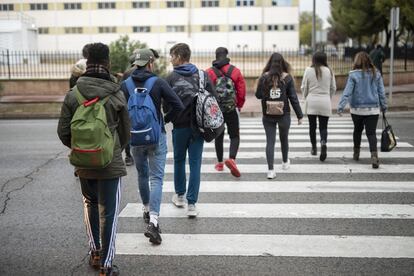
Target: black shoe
95	259
356	154
153	233
146	217
129	161
109	271
322	157
374	160
314	151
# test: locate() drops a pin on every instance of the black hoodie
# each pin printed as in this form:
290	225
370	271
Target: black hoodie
161	91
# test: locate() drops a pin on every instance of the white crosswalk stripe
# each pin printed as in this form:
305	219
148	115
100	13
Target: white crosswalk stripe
330	181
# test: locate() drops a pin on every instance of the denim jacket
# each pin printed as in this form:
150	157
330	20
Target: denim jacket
363	91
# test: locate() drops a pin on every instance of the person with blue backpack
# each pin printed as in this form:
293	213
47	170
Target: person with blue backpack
185	81
145	92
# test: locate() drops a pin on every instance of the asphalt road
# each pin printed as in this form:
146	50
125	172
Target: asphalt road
42	230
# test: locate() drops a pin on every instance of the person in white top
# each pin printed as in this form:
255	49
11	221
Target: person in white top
318	87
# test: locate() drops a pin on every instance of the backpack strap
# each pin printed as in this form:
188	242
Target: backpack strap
229	72
130	85
217	72
202	80
149	83
81	99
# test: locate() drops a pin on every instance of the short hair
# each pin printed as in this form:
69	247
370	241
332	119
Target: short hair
98	53
85	50
379	46
182	51
221	52
155	53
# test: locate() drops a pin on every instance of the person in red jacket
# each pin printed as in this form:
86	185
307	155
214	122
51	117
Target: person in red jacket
231	89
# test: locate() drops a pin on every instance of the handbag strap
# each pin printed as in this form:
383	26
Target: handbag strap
384	120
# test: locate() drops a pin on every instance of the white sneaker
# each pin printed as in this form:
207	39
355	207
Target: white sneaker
192	211
178	200
271	174
286	165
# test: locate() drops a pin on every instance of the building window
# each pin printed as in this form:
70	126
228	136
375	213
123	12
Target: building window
289	27
245	3
39	6
73	30
175	29
72	6
43	30
104	30
141	29
141	5
237	28
272	27
274	2
281	2
106	5
175	4
209	3
252	27
210	28
6	7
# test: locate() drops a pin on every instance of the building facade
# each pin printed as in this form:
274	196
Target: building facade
204	24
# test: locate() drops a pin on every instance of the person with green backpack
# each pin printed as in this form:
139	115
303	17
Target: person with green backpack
230	87
94	124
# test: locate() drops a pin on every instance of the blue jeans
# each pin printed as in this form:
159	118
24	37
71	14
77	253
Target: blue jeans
184	141
150	164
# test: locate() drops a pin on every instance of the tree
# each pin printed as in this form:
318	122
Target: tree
336	34
357	18
122	49
305	27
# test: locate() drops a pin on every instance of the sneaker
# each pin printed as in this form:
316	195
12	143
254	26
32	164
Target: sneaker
219	166
314	150
192	211
286	165
146	217
271	174
153	233
231	164
95	259
129	161
109	271
178	200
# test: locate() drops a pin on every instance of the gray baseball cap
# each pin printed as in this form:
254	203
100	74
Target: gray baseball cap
143	56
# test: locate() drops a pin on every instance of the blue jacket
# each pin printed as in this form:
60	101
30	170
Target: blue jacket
362	90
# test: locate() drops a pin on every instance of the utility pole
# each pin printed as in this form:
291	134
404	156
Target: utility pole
314	27
394	22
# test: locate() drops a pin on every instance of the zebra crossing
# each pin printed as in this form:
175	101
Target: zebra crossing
334	193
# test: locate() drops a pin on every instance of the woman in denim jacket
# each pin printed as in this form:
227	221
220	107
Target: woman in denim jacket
364	91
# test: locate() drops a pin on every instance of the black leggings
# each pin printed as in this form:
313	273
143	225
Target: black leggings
270	129
232	122
323	128
370	124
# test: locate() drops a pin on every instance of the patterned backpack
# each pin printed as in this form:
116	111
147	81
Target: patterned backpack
225	89
209	118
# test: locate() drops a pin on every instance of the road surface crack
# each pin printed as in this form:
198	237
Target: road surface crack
27	177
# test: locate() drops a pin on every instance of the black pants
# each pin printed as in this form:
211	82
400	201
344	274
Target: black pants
370	124
323	128
101	206
231	120
270	129
128	150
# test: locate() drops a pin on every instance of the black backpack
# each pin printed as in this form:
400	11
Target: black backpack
225	89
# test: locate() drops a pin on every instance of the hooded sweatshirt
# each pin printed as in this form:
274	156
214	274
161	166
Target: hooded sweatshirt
117	118
185	82
160	92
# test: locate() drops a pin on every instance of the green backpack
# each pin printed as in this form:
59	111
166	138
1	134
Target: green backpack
92	142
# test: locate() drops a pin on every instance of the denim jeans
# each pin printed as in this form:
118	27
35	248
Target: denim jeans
183	141
150	164
269	124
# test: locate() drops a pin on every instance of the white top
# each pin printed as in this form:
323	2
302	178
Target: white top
318	92
364	111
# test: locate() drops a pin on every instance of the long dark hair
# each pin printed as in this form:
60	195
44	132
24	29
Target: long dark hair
274	69
363	62
319	59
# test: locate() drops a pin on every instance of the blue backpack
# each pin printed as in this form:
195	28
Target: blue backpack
145	124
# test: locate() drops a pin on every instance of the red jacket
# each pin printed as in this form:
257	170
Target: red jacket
238	80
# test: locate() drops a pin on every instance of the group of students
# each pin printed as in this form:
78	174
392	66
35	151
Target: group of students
173	99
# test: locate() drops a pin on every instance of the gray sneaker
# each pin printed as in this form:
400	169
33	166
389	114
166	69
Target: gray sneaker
192	211
178	200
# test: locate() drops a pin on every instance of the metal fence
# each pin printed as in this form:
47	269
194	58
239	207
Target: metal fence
57	64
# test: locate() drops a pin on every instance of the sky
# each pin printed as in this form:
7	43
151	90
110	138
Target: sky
322	9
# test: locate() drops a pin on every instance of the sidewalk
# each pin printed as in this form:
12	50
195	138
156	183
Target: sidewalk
48	106
402	100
